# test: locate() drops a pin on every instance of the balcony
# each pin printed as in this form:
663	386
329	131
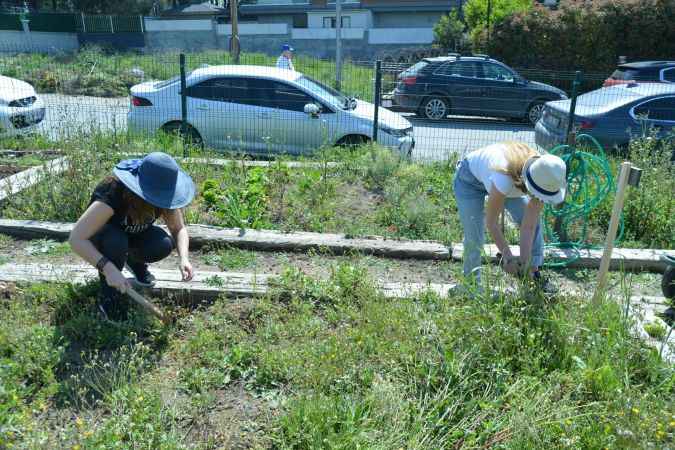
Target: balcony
273	2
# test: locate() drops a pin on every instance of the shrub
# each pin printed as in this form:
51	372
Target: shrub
585	36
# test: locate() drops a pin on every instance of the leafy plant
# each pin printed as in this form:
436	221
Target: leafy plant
239	205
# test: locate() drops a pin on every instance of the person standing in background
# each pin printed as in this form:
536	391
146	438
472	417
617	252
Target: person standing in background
285	60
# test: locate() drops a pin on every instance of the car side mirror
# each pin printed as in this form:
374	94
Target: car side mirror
312	110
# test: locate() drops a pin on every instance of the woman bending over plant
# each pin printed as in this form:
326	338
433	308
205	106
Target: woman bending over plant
118	226
517	178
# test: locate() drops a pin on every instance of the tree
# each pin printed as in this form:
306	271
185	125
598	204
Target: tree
476	15
449	31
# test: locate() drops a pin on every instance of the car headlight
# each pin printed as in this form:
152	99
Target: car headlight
396	132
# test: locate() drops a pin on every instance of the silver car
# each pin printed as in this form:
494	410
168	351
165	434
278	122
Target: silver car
263	110
21	110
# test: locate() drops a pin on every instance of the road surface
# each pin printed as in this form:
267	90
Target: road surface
67	115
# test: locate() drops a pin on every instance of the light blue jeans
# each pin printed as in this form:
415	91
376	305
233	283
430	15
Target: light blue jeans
470	194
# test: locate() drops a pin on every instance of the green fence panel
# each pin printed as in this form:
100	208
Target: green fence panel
127	24
62	23
10	22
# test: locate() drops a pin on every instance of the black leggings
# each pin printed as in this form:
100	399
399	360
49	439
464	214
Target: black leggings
151	245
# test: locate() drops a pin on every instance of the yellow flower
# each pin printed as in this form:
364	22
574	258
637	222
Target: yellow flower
76	447
635	411
88	433
672	424
660	434
79	422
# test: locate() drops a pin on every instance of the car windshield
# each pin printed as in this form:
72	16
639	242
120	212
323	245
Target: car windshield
325	93
624	74
163	84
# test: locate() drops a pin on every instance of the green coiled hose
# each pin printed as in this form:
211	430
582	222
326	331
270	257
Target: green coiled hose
589	182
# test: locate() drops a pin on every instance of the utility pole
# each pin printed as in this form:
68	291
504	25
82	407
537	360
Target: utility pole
338	44
489	13
234	39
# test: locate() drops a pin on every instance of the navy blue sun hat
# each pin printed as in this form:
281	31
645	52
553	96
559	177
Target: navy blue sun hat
157	179
287	48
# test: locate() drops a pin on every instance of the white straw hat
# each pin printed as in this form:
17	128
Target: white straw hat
545	178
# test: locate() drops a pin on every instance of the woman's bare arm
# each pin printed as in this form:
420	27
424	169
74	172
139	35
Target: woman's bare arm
527	229
93	219
495	206
176	225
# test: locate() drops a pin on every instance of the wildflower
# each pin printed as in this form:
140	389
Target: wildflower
660	434
635	411
79	422
88	434
76	447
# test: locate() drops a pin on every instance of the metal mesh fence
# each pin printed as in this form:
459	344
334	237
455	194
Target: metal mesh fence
431	110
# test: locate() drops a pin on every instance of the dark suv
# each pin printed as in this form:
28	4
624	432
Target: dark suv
470	85
645	71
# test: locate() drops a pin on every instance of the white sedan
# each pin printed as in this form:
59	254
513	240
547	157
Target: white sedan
263	110
21	109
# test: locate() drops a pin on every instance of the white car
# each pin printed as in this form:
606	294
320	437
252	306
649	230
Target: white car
21	109
263	110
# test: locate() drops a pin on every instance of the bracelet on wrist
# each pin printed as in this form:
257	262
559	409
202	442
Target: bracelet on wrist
100	265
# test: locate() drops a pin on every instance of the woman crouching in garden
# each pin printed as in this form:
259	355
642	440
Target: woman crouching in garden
517	178
118	226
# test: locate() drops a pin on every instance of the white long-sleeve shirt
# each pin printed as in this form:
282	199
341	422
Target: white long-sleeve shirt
285	63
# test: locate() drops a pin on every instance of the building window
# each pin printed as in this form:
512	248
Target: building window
300	21
330	22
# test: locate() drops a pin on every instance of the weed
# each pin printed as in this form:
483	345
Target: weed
655	330
47	247
230	258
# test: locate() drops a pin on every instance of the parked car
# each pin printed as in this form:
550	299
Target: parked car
612	115
470	85
656	71
260	110
21	110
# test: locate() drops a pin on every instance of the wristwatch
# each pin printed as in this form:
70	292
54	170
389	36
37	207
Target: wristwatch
101	263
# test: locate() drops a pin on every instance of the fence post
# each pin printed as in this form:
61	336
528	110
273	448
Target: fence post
112	28
183	106
84	24
141	20
376	100
573	104
570	139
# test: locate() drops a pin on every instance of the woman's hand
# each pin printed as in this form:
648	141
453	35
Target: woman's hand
512	267
115	279
186	270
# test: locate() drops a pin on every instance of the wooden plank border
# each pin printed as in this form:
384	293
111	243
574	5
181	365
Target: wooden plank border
338	244
23	180
205	285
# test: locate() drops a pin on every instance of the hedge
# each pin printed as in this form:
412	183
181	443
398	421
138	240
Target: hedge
586	36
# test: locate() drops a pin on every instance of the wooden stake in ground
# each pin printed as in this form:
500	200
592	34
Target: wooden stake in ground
147	305
621	185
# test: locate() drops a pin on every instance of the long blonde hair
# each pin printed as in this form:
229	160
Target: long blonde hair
516	155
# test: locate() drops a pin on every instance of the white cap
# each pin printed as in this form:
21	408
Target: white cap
545	178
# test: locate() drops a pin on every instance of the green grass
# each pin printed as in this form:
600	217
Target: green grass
230	258
331	365
93	72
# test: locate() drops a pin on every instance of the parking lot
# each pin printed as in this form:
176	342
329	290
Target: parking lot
435	141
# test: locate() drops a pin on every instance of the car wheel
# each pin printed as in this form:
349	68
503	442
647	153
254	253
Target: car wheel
668	282
353	141
534	112
191	134
435	108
